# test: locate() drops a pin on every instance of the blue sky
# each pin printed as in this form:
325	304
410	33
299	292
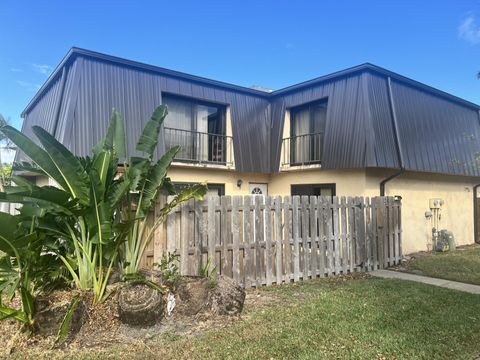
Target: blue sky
267	43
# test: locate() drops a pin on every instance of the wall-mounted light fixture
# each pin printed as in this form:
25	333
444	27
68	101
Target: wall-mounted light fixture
239	183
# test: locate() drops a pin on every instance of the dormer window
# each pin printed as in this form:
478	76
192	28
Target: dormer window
307	130
198	127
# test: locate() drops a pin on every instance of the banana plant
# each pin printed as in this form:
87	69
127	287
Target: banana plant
91	209
17	268
82	210
145	180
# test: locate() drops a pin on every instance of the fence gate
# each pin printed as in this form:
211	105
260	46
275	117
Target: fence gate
261	240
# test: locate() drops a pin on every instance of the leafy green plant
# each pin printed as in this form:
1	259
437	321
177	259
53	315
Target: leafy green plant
90	212
17	268
82	210
67	320
147	178
169	268
208	270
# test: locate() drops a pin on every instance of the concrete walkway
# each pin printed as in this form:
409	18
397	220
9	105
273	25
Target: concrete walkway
455	285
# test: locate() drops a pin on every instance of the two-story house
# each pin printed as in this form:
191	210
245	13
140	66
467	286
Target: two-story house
363	131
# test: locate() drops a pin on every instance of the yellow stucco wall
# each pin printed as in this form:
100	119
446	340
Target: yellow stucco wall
217	176
348	182
416	190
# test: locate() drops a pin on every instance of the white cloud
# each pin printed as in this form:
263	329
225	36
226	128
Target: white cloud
28	85
469	30
43	68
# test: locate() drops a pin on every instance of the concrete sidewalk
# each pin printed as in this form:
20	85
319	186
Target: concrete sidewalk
455	285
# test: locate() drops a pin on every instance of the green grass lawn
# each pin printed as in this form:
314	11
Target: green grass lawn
355	319
460	265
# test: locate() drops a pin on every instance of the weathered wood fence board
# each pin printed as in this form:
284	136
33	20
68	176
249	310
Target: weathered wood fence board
265	240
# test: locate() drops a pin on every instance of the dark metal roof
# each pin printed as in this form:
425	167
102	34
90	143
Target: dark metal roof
76	101
201	80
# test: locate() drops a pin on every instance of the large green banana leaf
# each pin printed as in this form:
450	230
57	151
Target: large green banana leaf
68	165
149	138
39	156
155	180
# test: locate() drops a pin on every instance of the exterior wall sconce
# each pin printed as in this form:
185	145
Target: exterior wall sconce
239	183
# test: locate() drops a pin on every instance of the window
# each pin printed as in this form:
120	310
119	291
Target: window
307	129
313	189
213	189
198	127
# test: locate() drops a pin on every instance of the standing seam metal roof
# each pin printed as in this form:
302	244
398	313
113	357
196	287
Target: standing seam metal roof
359	130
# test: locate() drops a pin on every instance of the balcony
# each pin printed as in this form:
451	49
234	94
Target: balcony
199	147
302	150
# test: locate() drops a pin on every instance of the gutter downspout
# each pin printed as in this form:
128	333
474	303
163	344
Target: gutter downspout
397	140
475	214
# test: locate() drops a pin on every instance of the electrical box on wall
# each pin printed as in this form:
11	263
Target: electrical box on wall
436	203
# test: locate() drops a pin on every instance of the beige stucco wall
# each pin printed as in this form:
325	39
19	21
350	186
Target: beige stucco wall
416	190
348	182
217	176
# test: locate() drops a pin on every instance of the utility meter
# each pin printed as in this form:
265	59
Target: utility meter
436	203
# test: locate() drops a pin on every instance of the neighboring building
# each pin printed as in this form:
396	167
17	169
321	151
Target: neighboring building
340	134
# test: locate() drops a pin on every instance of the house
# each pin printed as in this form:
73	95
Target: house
363	131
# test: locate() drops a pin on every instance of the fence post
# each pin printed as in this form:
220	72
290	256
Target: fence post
336	234
278	239
160	235
171	233
236	204
247	243
212	202
304	218
343	233
296	239
368	235
351	232
268	240
258	240
322	237
313	236
287	237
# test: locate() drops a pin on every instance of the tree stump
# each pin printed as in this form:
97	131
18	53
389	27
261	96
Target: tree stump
220	296
139	304
191	295
50	316
227	297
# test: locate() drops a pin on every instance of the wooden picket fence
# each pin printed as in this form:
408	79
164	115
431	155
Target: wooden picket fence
260	240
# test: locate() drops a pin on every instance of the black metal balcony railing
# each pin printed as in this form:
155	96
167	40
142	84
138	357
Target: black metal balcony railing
302	150
200	147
